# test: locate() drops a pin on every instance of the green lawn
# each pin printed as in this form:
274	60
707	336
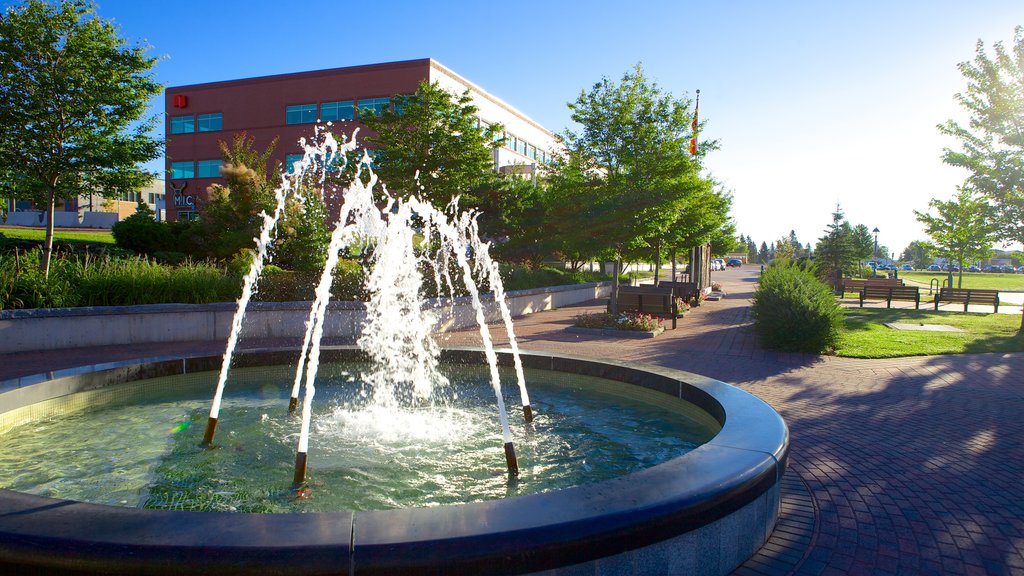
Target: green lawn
1008	282
83	237
866	336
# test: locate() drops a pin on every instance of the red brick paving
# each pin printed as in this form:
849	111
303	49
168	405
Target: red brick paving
898	466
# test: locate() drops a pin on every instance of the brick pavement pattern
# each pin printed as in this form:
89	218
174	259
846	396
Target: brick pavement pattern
898	466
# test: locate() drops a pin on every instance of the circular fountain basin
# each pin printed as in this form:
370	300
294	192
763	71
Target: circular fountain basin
703	513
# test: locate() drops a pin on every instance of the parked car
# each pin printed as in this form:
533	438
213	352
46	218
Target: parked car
973	268
734	263
934	268
1006	268
907	267
1020	270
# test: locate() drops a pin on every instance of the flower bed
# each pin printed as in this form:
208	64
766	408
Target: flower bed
623	321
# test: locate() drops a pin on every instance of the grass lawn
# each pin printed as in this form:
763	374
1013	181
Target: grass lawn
1008	282
866	336
77	237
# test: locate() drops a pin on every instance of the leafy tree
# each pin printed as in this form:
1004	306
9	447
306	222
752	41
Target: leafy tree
632	155
751	250
784	248
919	253
762	254
432	145
73	94
230	218
993	140
836	252
963	230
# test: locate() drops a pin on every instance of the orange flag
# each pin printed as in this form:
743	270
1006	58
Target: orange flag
693	126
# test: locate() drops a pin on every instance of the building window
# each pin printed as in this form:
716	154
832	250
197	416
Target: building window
210	122
521	147
183	170
337	111
532	152
131	196
375	104
153	197
208	168
291	160
182	125
301	114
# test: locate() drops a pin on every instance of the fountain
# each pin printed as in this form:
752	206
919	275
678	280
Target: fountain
703	511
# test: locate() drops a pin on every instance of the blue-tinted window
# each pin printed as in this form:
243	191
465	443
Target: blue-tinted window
375	104
337	111
182	125
208	168
532	152
210	122
290	161
301	114
521	147
182	170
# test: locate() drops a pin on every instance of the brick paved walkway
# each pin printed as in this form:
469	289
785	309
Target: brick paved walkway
901	466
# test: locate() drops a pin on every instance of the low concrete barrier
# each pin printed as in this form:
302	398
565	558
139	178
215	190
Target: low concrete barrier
59	328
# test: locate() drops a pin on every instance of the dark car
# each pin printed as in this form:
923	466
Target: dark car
973	268
934	268
735	263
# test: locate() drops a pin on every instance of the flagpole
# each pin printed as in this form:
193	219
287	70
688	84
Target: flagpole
693	126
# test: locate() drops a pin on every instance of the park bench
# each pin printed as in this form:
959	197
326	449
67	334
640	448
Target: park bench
968	296
890	293
684	290
858	284
648	300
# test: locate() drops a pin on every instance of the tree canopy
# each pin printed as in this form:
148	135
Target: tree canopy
993	139
964	229
432	145
627	176
74	94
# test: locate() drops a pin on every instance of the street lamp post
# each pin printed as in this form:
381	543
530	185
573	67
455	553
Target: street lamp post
876	243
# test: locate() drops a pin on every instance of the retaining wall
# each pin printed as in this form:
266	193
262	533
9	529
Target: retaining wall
58	328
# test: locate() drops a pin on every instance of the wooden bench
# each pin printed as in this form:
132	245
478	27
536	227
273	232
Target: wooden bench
890	293
648	300
684	290
858	284
968	296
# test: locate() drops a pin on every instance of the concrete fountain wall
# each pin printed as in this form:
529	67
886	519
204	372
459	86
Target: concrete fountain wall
702	513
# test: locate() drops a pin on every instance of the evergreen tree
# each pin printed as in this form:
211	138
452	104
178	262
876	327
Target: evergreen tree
836	252
762	255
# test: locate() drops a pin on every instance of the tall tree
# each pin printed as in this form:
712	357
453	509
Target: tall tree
632	152
919	253
432	145
963	230
993	140
863	243
836	252
762	254
73	93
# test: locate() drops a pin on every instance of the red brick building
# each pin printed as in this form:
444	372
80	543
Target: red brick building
289	105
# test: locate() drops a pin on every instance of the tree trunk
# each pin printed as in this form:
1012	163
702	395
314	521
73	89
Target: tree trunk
48	242
613	306
673	265
657	262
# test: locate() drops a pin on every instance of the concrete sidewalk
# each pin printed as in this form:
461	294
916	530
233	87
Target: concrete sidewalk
900	466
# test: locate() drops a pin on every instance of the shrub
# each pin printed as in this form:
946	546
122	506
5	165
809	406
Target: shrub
140	233
794	311
623	321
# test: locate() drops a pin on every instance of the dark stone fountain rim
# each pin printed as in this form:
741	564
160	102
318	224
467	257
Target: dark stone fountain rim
515	535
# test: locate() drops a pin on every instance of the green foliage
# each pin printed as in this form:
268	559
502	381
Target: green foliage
431	146
623	321
107	281
964	229
278	285
836	252
302	234
230	219
516	278
918	253
865	334
993	142
794	311
141	233
73	95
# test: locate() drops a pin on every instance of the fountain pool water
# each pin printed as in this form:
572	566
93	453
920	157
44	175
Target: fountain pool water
703	512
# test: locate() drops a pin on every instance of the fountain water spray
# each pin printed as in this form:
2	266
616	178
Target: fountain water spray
397	331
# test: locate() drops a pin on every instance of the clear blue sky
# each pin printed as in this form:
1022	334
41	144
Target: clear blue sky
813	102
